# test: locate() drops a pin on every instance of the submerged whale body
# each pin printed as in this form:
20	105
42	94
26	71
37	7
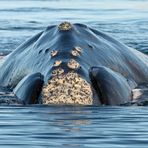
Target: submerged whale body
75	64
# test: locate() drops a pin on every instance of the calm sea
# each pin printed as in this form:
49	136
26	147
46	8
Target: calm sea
68	127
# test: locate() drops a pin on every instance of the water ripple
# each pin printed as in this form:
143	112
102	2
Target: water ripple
73	126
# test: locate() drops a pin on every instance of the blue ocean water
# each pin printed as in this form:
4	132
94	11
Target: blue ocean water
63	126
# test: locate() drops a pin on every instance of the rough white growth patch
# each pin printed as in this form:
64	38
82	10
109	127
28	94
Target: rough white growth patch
69	88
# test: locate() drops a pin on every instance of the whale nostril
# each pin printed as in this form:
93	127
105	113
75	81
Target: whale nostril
40	51
47	50
65	26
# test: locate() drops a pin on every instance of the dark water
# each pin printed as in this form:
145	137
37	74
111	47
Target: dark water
67	127
61	126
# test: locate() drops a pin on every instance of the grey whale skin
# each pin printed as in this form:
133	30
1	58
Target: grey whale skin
112	69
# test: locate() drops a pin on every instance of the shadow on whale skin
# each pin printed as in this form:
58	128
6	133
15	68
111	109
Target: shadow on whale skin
74	65
29	87
111	86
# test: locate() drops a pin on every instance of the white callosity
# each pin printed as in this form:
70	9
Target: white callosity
73	64
65	26
69	88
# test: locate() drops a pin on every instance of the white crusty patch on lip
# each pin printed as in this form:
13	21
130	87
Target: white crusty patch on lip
69	89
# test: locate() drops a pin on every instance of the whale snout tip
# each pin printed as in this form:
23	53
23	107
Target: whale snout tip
65	26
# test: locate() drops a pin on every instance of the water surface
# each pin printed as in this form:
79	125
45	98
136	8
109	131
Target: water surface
81	127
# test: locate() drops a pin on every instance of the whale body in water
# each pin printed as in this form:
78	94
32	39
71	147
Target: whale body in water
77	65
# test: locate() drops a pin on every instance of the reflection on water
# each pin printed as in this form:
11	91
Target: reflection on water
63	126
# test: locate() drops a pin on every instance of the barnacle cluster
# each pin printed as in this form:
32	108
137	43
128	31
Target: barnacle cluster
73	64
65	26
68	88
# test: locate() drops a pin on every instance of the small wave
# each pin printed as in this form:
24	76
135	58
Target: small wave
22	28
40	9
